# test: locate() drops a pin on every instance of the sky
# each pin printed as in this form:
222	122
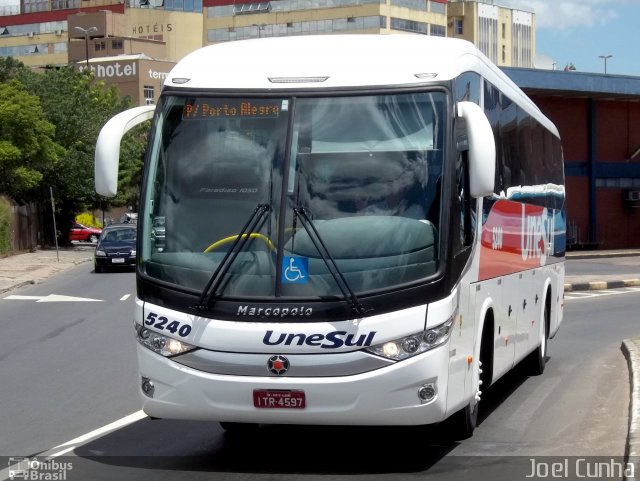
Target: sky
578	32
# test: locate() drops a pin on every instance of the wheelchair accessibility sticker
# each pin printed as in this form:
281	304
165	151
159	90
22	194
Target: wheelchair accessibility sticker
295	270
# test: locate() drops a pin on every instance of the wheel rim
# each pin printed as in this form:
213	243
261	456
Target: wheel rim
477	397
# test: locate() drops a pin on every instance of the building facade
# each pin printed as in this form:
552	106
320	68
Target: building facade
39	33
227	20
136	76
505	35
157	33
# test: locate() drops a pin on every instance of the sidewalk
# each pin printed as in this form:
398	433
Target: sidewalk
34	267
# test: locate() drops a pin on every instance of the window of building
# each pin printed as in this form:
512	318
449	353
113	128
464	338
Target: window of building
409	25
60	47
116	44
149	94
244	8
619	183
437	7
297	28
457	26
412	4
64	4
31	6
98	46
438	30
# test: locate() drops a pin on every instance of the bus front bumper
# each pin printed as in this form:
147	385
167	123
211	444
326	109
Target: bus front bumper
386	396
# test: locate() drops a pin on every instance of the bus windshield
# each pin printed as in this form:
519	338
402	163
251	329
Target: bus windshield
363	170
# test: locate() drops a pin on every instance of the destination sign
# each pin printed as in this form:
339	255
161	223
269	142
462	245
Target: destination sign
232	108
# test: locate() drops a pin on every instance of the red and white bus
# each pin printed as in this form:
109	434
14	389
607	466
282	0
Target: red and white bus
359	230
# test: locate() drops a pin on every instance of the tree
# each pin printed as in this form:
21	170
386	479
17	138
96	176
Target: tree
78	106
27	149
10	68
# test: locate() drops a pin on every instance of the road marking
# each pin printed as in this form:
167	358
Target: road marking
60	453
131	418
51	298
125	297
76	442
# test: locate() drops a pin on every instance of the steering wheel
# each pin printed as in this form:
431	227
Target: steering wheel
254	235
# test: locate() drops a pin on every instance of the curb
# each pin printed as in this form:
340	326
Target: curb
631	350
26	282
600	254
16	286
601	285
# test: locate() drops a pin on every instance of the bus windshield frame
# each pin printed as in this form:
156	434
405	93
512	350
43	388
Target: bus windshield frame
365	168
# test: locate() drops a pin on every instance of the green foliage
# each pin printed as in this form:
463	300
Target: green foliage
10	68
5	226
27	148
49	124
88	219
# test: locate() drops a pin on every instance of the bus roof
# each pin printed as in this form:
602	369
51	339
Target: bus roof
340	61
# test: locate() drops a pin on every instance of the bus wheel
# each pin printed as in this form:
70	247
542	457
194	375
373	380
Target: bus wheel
537	360
462	424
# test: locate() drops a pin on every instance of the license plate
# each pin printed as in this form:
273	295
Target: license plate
277	399
117	260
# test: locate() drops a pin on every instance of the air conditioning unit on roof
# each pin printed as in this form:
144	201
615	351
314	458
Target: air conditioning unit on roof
58	32
30	34
632	198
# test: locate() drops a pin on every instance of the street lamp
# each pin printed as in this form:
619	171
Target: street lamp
605	57
86	32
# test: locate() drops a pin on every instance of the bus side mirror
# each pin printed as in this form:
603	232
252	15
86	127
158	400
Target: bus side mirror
108	147
482	149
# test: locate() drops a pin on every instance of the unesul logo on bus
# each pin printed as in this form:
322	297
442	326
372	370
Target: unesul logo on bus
516	236
330	340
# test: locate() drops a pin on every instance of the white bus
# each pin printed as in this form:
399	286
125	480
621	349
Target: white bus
358	230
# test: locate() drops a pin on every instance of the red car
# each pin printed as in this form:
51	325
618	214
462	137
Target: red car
83	233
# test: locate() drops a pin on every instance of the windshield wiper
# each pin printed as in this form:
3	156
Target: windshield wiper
343	285
209	291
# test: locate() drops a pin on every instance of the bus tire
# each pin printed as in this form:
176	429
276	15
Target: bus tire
464	422
537	360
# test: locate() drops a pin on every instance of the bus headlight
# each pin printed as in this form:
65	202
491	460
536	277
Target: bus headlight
163	345
409	346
